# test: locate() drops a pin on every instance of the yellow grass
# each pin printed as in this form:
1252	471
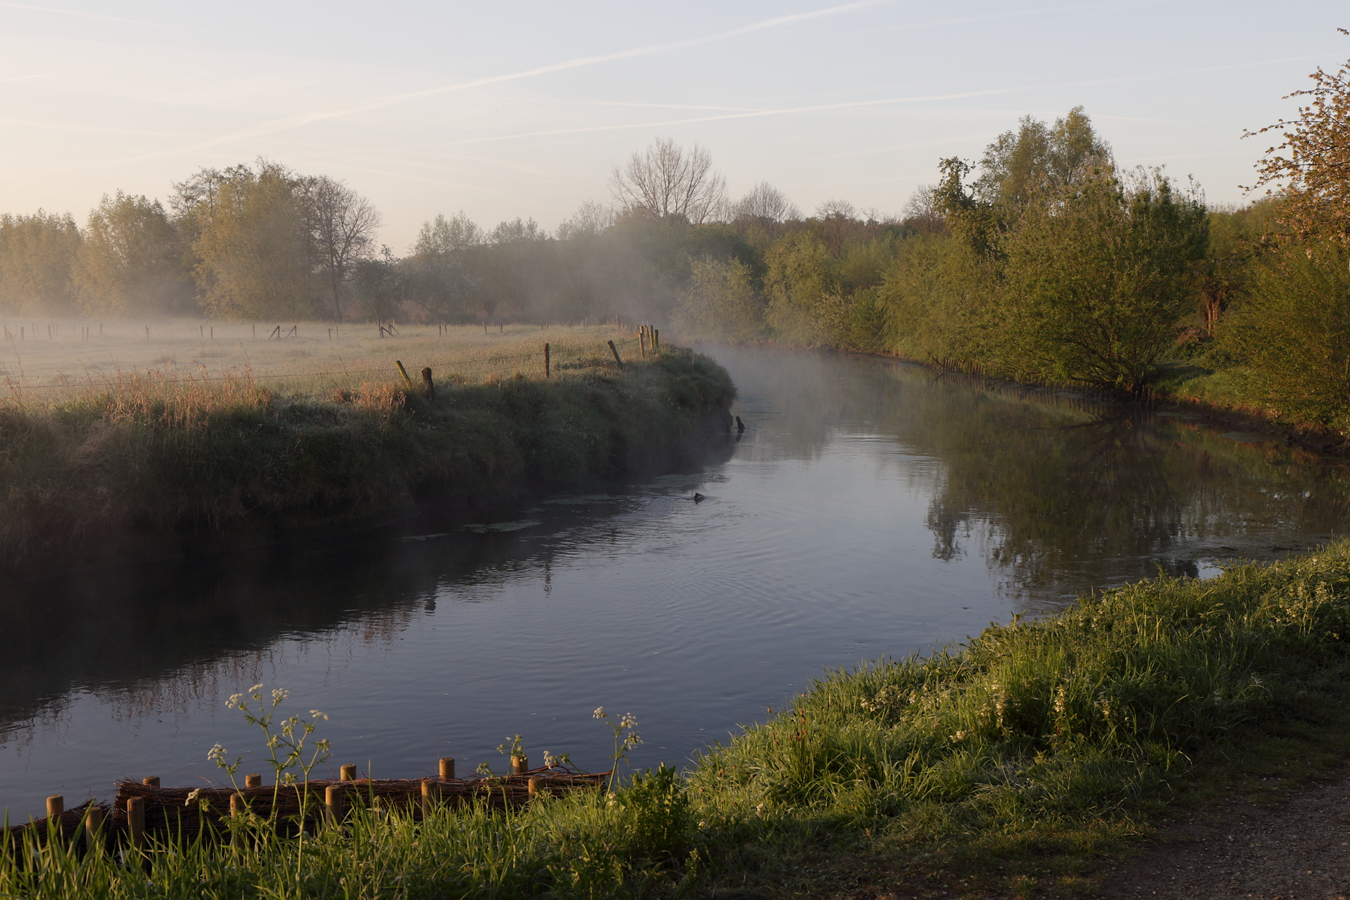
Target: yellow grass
50	361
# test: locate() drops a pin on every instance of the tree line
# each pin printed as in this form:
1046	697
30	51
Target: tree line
1044	260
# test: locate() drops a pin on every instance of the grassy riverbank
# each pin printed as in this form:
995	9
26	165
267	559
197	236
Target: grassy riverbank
159	452
1012	765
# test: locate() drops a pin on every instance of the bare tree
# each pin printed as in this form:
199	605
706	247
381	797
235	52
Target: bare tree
923	210
590	220
666	182
836	209
765	203
342	227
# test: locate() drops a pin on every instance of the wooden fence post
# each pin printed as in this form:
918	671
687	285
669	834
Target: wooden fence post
93	825
547	373
136	822
334	800
615	351
447	768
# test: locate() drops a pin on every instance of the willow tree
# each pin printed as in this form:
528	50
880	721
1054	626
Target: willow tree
1096	279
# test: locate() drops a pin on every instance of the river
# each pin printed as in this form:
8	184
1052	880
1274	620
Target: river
869	509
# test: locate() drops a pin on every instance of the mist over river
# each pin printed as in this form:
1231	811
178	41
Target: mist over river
869	509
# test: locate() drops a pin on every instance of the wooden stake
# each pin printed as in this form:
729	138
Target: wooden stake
252	781
428	384
447	768
547	373
136	821
56	804
347	773
535	788
426	800
93	824
150	781
615	351
642	342
404	372
520	764
334	799
237	805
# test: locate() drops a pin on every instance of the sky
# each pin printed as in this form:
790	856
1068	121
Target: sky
523	109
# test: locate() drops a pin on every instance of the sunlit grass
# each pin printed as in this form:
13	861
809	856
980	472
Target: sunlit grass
316	361
1008	766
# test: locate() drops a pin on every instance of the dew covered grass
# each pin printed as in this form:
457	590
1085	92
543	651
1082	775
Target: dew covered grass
1011	765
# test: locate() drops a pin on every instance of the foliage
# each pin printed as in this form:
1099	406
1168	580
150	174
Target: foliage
1039	161
37	256
250	241
1310	164
148	454
1292	329
130	260
1237	237
1034	740
1096	280
722	301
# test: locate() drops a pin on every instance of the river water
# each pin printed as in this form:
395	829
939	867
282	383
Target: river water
869	509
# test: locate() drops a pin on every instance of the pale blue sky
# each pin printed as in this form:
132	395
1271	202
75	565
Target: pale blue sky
523	108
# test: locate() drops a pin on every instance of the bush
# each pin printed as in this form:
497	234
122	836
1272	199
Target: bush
1291	329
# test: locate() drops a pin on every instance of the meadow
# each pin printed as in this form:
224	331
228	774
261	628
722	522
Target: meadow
105	441
49	360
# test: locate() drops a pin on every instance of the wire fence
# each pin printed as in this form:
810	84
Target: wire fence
525	357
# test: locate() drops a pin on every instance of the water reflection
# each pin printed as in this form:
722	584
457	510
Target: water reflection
869	508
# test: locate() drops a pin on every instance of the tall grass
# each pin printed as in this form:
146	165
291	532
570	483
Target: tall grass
155	453
1058	736
621	844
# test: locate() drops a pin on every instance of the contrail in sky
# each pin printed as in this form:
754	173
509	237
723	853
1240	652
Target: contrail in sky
298	121
854	104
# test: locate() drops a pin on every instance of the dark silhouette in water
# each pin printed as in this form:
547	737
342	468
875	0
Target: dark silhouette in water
698	498
740	426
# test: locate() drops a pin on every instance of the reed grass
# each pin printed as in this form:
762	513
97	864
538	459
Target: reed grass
186	452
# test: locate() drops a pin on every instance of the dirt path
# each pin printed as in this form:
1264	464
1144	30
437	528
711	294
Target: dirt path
1295	849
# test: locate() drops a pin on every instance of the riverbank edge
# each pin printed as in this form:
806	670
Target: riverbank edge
1309	437
1021	763
116	478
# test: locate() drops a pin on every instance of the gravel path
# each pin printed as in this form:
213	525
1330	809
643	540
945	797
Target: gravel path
1296	850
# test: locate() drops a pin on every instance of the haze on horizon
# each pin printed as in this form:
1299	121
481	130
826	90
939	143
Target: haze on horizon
523	109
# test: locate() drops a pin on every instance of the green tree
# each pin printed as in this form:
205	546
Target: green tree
251	245
1039	160
722	300
1292	330
801	281
1237	237
37	256
1096	279
937	300
438	277
131	259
